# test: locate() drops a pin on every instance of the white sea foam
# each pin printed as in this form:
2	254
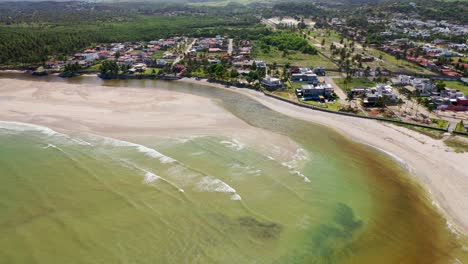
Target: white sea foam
183	140
255	172
143	149
236	197
300	154
26	127
198	153
211	184
452	229
82	142
292	165
150	177
295	171
301	175
234	144
49	146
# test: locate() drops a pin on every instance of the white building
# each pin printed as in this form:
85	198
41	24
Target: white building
271	83
316	92
402	80
423	85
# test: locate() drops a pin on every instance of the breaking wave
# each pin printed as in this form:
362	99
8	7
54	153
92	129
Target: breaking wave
27	127
234	144
150	177
211	184
143	149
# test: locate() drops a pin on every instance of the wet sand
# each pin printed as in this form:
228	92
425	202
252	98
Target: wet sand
126	113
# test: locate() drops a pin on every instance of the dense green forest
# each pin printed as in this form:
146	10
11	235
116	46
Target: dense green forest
28	38
30	32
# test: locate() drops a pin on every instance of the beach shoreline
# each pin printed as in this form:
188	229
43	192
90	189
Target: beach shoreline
436	167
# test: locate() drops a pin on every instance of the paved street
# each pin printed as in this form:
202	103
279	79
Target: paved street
181	56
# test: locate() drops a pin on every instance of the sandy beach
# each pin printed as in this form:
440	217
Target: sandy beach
127	113
441	171
118	112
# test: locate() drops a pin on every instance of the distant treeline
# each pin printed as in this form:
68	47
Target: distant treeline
33	44
453	11
295	8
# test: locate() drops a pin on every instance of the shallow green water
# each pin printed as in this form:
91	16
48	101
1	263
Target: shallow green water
211	199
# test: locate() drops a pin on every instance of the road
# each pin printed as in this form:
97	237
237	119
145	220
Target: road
342	95
181	56
270	24
230	47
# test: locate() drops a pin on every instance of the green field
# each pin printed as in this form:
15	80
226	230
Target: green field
440	123
391	63
354	83
149	71
335	106
293	58
297	85
457	85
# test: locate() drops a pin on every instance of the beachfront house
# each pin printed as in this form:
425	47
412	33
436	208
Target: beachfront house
271	83
402	80
380	93
316	92
310	78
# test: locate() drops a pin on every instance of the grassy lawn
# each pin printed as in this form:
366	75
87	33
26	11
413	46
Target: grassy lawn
335	106
390	62
93	68
460	128
296	85
294	58
440	123
354	83
457	85
158	54
149	71
286	93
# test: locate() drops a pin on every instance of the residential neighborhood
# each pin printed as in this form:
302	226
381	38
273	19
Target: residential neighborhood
369	84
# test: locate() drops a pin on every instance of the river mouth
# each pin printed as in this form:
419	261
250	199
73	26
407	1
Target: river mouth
212	198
